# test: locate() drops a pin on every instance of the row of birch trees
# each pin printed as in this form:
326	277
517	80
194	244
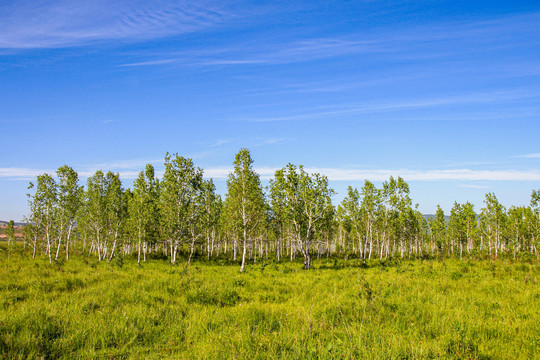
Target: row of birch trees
182	215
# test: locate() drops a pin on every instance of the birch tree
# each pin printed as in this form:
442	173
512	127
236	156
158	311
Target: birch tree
351	213
535	206
69	200
245	201
519	227
43	207
395	212
115	211
369	205
212	205
438	228
94	214
463	226
143	210
305	202
492	217
181	185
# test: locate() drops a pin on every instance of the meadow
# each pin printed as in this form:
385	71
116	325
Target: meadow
417	309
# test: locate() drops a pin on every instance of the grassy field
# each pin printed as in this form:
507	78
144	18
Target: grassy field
403	310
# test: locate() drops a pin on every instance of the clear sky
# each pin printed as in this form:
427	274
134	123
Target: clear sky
445	94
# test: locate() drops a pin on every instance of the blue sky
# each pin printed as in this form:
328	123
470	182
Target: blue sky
445	94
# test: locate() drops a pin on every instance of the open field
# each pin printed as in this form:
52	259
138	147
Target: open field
411	309
18	232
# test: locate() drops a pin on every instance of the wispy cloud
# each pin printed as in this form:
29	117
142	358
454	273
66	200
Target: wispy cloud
60	23
254	142
474	186
272	141
150	62
397	105
109	121
429	40
231	62
470	163
257	52
221	142
528	156
121	164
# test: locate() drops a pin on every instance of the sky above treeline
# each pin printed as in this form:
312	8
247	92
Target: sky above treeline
445	94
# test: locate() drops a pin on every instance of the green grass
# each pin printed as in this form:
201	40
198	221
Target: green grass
404	310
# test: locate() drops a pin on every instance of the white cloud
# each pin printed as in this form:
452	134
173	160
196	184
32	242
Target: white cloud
342	174
429	175
223	172
334	174
124	174
23	173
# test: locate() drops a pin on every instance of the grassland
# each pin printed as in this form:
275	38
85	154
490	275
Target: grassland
418	309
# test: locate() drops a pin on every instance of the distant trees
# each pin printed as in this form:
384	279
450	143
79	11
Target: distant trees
182	214
10	233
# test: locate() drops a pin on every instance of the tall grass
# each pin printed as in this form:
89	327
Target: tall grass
409	309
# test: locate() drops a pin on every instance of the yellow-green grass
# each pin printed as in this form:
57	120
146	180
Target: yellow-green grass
417	309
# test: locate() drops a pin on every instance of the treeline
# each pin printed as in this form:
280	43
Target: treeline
181	214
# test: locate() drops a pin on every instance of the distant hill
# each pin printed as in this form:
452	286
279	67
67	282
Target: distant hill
432	216
19	224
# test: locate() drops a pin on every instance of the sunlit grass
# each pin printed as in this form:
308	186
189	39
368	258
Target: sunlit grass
412	309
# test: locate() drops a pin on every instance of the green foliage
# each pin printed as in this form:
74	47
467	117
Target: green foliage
463	226
342	309
244	203
143	210
180	199
303	203
182	215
